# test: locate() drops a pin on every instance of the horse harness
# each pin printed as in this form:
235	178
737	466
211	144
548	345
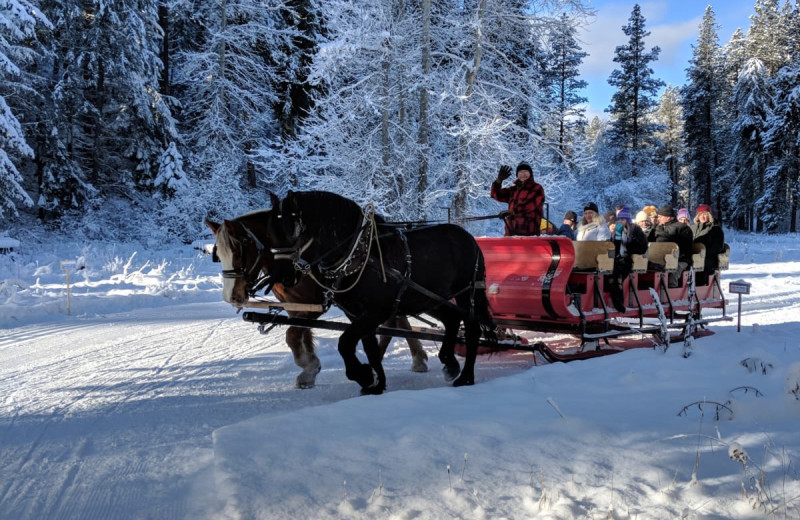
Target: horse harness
359	258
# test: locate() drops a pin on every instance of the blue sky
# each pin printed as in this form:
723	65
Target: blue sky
673	26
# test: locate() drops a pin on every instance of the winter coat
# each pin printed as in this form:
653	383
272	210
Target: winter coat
596	230
678	232
566	231
525	201
711	236
632	241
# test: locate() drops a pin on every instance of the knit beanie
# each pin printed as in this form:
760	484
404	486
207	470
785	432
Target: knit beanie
625	214
683	213
703	207
666	211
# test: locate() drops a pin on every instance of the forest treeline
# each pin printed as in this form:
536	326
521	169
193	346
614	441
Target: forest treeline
113	112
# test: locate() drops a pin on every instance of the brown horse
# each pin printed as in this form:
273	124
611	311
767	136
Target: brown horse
242	249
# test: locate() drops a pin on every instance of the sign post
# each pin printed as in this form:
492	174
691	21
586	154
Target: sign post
66	265
739	287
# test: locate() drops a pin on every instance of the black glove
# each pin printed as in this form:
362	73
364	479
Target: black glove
504	173
505	214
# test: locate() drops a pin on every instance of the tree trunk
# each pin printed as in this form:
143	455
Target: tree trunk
163	22
424	130
462	175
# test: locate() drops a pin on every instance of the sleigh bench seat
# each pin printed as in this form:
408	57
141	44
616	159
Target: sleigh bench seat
663	255
593	256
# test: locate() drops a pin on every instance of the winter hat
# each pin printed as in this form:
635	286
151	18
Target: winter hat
592	206
683	213
666	211
571	215
625	214
641	216
524	166
701	208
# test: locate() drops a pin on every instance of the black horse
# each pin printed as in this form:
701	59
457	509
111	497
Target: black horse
375	270
243	249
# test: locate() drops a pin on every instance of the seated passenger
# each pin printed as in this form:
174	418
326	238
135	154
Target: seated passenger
629	240
670	230
708	233
683	216
567	229
525	199
592	225
643	222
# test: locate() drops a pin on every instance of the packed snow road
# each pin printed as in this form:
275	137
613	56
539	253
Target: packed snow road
111	416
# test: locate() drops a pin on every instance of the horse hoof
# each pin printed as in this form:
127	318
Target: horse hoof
450	372
463	381
303	385
372	390
419	366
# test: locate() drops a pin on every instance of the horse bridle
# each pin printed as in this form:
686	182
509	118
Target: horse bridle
255	281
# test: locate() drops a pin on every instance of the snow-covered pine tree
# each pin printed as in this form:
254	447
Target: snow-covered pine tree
671	150
561	77
228	86
19	19
699	97
171	178
633	128
745	177
768	38
105	124
782	148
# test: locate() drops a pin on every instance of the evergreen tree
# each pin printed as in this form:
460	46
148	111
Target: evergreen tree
782	147
561	76
19	20
171	178
105	124
671	152
768	38
632	129
745	179
699	101
228	83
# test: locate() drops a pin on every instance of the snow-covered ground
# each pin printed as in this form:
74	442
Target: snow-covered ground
153	399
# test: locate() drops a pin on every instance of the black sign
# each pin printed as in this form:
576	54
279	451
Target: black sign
739	287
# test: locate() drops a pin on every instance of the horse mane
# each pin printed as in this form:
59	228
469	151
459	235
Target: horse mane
324	211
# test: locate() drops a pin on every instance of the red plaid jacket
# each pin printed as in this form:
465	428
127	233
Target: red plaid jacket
525	201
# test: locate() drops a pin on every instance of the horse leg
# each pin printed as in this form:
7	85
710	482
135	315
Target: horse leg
419	357
447	354
301	341
472	335
374	355
355	370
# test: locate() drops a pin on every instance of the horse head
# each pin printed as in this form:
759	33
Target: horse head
243	256
289	240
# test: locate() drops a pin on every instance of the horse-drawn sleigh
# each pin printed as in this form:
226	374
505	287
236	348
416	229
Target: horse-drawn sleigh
315	249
